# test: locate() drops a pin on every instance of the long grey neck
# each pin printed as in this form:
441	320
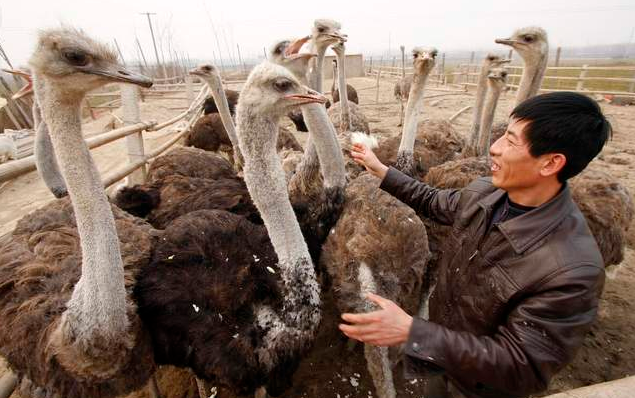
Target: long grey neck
97	308
487	119
45	156
317	71
266	183
223	109
414	110
341	82
327	147
481	90
532	78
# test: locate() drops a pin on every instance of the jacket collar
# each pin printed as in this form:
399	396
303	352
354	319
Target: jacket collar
524	231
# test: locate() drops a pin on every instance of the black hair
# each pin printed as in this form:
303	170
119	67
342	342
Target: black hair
567	123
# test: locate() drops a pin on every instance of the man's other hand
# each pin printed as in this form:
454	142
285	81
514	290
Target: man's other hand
386	327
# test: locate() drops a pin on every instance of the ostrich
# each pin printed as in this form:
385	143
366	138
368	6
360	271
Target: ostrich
360	259
258	305
345	115
490	61
533	46
8	149
69	324
335	92
404	159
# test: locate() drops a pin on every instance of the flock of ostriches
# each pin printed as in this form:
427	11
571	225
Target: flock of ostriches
219	266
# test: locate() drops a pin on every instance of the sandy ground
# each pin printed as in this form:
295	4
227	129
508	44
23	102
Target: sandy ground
334	370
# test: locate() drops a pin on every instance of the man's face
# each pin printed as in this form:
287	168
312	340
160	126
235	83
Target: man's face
513	167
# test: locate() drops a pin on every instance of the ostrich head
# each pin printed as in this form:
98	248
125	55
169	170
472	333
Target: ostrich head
497	77
76	63
424	59
273	90
326	32
531	43
287	53
494	61
207	72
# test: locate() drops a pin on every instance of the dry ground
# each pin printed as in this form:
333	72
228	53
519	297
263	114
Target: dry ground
332	369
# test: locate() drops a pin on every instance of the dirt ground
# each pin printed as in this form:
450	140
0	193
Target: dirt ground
333	368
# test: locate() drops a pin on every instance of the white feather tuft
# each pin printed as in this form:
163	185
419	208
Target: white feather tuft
365	139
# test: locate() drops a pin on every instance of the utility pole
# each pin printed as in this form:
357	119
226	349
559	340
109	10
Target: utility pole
141	51
156	52
120	53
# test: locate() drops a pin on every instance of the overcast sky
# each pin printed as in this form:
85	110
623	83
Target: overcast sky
447	25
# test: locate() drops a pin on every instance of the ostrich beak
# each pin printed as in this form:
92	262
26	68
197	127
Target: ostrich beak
295	46
28	87
311	97
118	73
508	42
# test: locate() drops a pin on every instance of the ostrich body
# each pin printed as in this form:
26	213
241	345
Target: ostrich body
351	93
490	61
257	309
69	324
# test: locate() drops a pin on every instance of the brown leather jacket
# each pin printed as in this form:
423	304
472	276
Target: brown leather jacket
511	306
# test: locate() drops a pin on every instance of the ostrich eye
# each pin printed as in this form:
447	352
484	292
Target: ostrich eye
321	29
490	58
76	58
528	39
434	53
282	85
504	74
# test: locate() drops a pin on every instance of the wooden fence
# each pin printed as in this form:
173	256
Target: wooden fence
134	127
613	80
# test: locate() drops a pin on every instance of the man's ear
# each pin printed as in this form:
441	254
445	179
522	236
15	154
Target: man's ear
554	162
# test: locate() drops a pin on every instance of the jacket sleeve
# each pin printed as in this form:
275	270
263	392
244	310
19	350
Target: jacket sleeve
438	204
541	335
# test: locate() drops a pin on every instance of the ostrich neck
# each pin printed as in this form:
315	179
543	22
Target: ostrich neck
223	109
487	120
97	307
327	148
266	183
317	71
481	90
341	82
532	78
414	109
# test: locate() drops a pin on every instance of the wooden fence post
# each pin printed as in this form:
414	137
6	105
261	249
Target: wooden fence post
442	69
403	61
377	93
583	72
370	68
189	90
394	62
134	142
557	63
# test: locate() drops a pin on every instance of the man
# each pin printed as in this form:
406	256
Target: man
519	282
